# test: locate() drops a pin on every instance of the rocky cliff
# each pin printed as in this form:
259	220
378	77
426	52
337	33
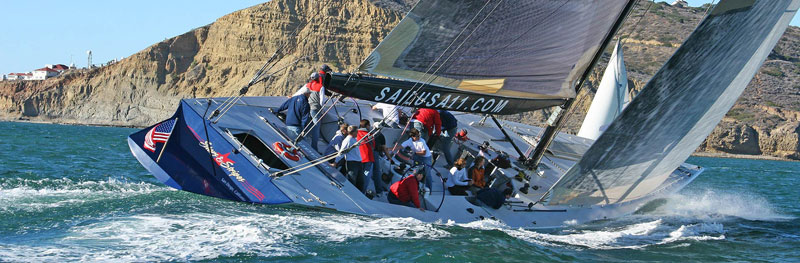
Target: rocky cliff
217	59
214	60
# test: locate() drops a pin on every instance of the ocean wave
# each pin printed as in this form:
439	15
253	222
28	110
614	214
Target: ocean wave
631	236
717	205
201	236
36	194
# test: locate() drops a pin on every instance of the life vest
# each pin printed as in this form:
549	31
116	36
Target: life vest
286	150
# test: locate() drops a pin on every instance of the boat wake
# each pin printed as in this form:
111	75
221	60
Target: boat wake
198	228
230	232
690	216
37	194
714	204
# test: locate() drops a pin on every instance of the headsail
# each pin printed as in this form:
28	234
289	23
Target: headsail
611	97
519	49
680	105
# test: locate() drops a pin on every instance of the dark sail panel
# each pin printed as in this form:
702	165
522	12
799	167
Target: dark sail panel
680	105
511	48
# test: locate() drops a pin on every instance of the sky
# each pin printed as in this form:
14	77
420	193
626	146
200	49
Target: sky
60	32
36	33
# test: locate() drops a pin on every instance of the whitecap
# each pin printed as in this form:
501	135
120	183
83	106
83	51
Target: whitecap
35	195
715	205
199	236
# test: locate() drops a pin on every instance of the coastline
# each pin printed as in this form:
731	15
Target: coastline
742	156
74	123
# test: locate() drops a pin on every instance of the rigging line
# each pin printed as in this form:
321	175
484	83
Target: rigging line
256	78
334	98
415	88
294	62
325	158
274	55
711	5
638	22
431	77
220	105
328	157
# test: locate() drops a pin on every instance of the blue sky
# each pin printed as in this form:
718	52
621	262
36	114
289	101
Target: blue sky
53	32
36	33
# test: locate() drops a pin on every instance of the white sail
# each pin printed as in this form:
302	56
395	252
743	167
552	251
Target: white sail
611	97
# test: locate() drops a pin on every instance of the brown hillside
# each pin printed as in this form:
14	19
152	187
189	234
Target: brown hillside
217	59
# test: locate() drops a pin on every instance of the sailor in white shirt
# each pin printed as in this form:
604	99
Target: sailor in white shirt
421	153
458	182
391	113
353	168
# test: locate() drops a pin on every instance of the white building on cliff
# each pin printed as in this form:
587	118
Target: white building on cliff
44	73
20	76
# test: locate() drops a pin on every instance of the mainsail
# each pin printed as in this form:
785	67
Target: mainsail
501	49
609	100
680	105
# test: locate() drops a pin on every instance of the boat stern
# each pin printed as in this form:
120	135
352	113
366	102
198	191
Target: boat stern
186	153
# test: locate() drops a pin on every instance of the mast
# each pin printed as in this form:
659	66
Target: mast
557	119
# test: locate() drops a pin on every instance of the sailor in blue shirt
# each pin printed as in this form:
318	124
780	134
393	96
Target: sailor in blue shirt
449	125
297	114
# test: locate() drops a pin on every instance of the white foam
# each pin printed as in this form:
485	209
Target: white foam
715	205
199	236
632	236
697	232
35	195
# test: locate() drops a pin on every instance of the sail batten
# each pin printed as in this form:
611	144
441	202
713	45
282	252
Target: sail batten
679	107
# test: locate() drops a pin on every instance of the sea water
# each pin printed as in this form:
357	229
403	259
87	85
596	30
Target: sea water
75	193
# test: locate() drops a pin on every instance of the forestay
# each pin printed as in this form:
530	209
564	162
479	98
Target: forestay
535	49
680	105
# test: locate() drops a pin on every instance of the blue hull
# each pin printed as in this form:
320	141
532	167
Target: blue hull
186	161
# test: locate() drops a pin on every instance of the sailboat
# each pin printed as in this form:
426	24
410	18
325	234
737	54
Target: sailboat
479	59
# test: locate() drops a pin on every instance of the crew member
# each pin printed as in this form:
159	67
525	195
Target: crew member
366	148
316	99
449	125
406	191
493	198
393	114
458	182
476	174
297	114
336	141
352	157
422	153
380	153
428	122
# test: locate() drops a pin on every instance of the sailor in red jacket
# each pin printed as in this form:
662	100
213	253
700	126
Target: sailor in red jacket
366	148
428	120
406	191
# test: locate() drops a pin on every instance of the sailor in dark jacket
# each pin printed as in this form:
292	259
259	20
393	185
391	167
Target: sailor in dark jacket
449	126
297	114
494	198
